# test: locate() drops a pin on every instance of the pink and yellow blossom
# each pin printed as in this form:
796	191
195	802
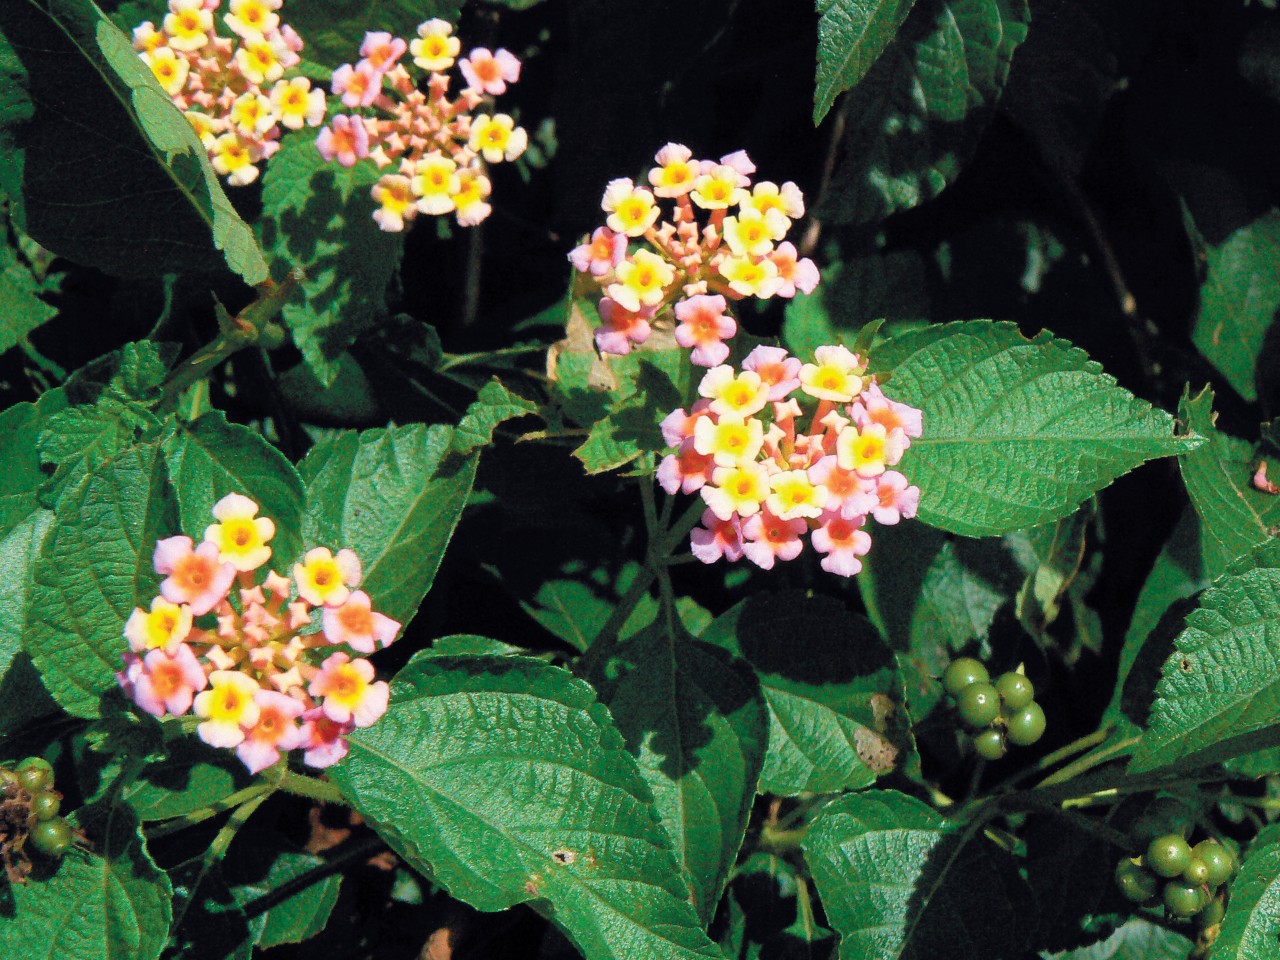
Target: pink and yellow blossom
349	692
168	681
227	707
275	731
704	326
434	49
197	577
768	539
620	327
490	72
358	625
601	253
325	579
162	628
240	535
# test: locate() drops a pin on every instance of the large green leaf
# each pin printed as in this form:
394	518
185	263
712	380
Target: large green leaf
1017	432
1239	298
113	905
1220	690
393	496
21	308
506	781
494	405
917	114
898	881
1234	516
851	36
1137	939
298	917
319	216
697	725
98	163
210	458
333	29
1251	928
192	776
95	567
831	712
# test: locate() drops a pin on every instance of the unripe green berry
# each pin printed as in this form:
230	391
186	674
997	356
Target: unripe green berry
8	782
1026	726
1015	690
978	704
51	837
1217	858
963	673
33	779
989	744
1211	915
46	804
1197	872
1169	856
1136	884
1183	899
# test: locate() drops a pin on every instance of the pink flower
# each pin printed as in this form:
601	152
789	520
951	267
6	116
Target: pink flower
601	253
686	470
195	577
894	500
490	72
847	493
168	683
775	368
717	538
874	407
769	539
358	86
382	50
346	140
621	327
794	273
678	426
843	541
704	326
740	162
323	739
349	690
357	625
275	730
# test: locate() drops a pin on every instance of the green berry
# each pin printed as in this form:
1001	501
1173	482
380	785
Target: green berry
1217	858
51	837
1197	872
33	779
978	704
46	804
1169	856
1164	815
1183	899
1211	915
1026	726
964	673
1136	884
989	744
1015	690
8	782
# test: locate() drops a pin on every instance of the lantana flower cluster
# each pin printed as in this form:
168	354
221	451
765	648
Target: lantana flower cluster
236	643
439	146
232	89
781	449
721	239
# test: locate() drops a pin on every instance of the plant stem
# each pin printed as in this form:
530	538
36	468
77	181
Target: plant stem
207	813
301	785
1089	761
340	858
462	359
217	850
1049	759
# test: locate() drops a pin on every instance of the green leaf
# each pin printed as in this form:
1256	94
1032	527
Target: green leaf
318	216
393	496
299	917
696	723
1239	297
1017	432
829	711
1251	927
898	881
1137	939
494	405
917	114
575	609
209	458
851	36
109	906
1222	683
98	163
1218	475
95	567
192	776
333	30
21	308
506	782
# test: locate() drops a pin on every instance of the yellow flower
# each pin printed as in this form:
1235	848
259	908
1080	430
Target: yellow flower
632	210
166	625
497	138
435	182
837	375
434	49
188	24
241	536
641	281
170	69
795	495
227	706
324	579
730	440
739	490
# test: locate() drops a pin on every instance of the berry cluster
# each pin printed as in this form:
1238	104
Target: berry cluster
441	145
782	448
1194	877
29	807
250	660
696	265
232	89
1005	711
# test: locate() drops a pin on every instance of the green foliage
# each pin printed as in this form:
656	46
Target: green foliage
494	405
539	802
333	30
107	905
296	918
100	165
394	497
1239	298
318	216
1137	939
851	36
22	309
1250	927
897	881
915	117
1218	694
1017	432
190	777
